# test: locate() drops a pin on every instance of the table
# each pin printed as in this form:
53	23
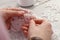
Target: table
48	10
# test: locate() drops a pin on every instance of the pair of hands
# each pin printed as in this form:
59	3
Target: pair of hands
39	27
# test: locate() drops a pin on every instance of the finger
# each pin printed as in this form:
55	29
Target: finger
10	13
33	17
24	28
16	9
25	33
32	23
47	24
32	26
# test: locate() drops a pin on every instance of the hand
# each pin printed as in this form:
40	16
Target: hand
42	30
6	13
39	28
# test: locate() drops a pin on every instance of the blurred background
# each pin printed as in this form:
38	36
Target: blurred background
47	9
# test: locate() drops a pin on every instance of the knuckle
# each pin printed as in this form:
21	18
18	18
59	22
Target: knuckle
49	25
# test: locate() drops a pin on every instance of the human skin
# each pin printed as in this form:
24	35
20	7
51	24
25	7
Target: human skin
4	15
39	28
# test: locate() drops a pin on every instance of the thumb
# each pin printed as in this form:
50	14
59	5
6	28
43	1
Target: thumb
32	23
31	28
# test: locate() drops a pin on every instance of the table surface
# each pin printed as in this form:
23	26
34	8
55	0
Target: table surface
48	10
